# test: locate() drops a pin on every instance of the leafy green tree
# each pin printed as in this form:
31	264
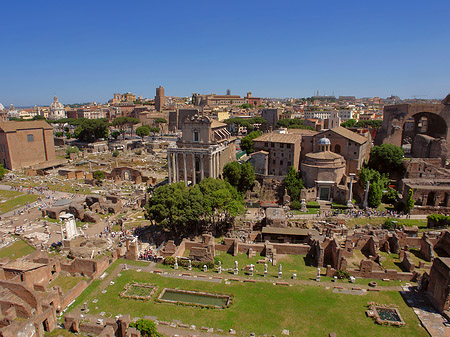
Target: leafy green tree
115	153
115	134
232	173
38	118
2	171
409	202
391	196
155	130
99	175
293	183
58	134
350	123
221	201
375	195
247	177
91	130
72	149
240	176
294	123
123	121
146	327
247	141
143	131
386	158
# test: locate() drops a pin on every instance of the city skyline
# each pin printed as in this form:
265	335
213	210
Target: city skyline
85	52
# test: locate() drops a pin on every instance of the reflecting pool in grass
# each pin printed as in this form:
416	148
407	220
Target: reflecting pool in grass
195	298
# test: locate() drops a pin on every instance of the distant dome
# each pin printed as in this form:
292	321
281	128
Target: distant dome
56	105
324	141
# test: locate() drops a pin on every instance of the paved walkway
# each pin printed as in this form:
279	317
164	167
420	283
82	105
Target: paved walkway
433	321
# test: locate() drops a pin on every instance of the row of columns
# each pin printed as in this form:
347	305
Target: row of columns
174	167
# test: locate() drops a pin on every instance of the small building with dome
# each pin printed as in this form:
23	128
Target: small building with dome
325	171
57	110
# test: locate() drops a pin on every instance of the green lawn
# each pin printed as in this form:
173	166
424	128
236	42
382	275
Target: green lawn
290	264
17	249
261	308
421	223
67	282
63	333
10	200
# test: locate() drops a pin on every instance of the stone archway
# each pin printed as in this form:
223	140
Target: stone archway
431	122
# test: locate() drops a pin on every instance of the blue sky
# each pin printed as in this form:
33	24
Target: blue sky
87	50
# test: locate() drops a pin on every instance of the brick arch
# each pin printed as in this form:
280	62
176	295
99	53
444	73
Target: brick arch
395	117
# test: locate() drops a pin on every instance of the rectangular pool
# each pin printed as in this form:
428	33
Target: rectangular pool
194	297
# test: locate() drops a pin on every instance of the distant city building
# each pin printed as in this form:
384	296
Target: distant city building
160	99
281	151
272	116
57	110
24	144
204	149
214	100
128	97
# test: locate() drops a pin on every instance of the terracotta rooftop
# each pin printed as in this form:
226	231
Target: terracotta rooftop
22	265
217	124
278	138
353	136
324	155
14	126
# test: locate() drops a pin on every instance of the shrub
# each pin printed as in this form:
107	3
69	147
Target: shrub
389	224
146	327
341	274
438	220
115	153
296	204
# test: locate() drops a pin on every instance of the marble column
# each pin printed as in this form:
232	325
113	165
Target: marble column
185	169
174	167
177	167
169	167
349	201
218	165
202	167
193	169
210	165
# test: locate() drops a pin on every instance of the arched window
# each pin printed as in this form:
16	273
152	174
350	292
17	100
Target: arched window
30	138
337	149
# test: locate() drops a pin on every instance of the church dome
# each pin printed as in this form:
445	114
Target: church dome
56	105
324	141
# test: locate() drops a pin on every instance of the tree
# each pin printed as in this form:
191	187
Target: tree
409	202
386	158
72	149
121	122
240	176
375	195
143	131
115	153
391	196
293	183
91	130
247	177
2	171
99	175
232	173
146	327
115	134
350	123
247	141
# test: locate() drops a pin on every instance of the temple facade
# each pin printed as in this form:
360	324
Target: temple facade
204	148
